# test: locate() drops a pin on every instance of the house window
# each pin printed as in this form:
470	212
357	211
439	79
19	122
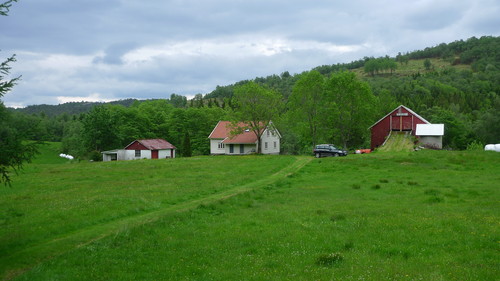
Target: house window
275	145
267	132
137	153
265	145
221	145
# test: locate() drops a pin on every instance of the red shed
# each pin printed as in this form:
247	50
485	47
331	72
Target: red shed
400	119
159	148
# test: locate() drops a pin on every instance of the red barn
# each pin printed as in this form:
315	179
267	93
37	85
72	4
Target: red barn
400	119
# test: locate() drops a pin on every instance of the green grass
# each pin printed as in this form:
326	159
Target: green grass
398	142
426	215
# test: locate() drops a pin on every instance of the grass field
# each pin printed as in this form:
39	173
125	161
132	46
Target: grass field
426	215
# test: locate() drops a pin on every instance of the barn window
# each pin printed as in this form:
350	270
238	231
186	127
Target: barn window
275	145
221	145
265	145
137	153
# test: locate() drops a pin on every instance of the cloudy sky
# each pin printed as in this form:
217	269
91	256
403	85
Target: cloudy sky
94	50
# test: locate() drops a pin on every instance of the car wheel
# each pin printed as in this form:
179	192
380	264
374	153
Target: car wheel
318	155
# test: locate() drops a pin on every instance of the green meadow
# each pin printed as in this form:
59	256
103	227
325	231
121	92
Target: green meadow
426	215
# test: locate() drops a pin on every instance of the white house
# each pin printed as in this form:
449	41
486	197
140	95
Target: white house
142	149
221	141
430	135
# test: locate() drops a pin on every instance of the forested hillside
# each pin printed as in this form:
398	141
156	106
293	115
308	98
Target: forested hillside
457	84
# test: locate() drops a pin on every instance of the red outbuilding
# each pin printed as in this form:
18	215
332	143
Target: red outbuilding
400	119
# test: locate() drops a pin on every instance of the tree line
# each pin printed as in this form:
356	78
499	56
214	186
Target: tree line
329	104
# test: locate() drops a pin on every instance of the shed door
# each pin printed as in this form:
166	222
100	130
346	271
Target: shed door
242	148
231	148
154	154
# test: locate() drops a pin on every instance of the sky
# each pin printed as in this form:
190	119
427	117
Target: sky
94	50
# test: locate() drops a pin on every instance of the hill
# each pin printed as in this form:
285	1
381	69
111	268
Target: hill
373	217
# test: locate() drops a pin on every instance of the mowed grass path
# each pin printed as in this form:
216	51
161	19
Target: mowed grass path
429	215
52	208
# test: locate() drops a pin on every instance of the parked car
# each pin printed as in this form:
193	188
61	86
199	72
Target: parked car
323	150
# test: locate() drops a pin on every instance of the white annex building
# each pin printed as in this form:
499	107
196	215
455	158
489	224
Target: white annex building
221	141
430	135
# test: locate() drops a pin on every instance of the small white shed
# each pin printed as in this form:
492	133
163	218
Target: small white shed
430	135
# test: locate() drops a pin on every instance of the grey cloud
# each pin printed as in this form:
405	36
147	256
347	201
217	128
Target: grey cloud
114	28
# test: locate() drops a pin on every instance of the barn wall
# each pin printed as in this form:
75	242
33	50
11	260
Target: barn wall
394	122
379	132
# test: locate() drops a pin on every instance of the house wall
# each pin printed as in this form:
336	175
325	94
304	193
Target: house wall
166	153
130	155
273	142
434	142
247	148
107	157
214	147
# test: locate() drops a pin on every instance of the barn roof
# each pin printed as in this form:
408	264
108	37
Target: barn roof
154	144
430	130
409	110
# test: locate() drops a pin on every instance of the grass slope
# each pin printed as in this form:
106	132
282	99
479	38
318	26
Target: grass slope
398	142
427	215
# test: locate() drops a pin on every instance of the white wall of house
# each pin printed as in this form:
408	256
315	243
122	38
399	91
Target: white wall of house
270	142
165	153
247	148
216	147
122	154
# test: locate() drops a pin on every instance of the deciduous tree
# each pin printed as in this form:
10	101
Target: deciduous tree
255	105
356	105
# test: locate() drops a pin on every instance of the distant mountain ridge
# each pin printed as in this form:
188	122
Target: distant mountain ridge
70	108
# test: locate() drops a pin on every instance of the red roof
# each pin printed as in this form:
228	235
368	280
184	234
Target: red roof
223	129
153	144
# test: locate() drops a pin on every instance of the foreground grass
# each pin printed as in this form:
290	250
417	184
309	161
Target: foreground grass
429	215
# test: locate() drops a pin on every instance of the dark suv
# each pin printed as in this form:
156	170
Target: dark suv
323	150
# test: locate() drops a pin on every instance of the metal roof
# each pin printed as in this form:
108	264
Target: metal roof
154	144
430	130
